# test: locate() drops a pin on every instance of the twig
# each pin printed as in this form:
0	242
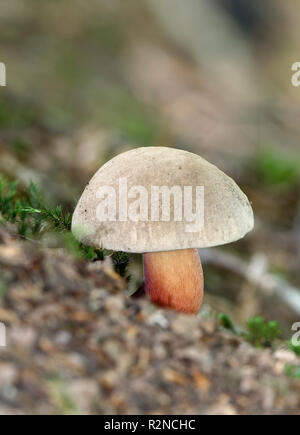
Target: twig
257	273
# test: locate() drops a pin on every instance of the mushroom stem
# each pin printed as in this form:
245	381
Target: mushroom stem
174	279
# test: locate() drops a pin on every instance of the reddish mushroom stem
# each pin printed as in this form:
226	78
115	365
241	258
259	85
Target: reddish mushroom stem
174	279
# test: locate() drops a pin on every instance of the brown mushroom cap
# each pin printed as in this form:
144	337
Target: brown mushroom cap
228	215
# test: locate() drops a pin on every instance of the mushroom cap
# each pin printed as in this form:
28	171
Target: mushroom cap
228	215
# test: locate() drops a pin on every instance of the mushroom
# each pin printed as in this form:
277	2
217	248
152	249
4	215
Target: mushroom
166	204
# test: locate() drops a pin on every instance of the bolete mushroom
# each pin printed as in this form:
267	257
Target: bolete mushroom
164	203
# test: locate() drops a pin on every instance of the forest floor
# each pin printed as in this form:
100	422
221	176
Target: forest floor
77	343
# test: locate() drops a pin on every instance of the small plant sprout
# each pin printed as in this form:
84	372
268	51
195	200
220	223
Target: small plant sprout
226	322
262	333
164	203
32	217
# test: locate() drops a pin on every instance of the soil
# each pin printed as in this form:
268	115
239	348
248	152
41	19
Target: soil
77	343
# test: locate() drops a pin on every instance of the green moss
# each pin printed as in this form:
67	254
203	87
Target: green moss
277	169
226	322
28	210
260	333
292	371
294	348
33	217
